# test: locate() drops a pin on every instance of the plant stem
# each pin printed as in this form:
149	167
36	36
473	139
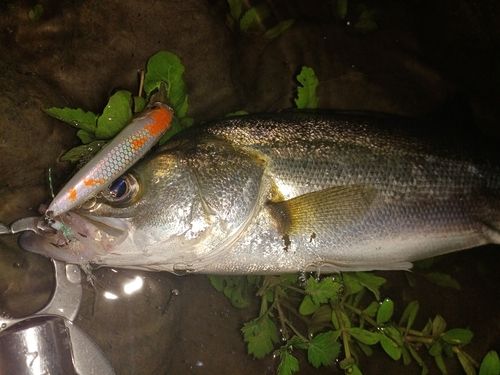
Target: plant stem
281	318
302	337
287	305
345	339
360	313
301	291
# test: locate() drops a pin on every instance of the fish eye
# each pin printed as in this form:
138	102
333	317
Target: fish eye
123	190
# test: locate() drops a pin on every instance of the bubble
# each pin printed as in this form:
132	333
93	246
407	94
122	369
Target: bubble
180	269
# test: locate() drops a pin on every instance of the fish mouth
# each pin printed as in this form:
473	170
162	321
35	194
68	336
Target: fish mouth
77	238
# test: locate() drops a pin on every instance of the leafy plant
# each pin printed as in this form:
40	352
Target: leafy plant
252	20
35	13
323	316
95	130
365	23
306	93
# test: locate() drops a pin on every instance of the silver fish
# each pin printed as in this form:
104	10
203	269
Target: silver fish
287	192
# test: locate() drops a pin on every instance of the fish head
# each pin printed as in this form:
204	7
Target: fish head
145	217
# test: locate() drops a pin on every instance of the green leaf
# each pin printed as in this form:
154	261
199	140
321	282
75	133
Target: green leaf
237	113
116	115
440	364
442	279
406	356
307	306
254	17
385	311
412	280
260	334
235	288
365	23
390	347
321	291
425	263
167	68
436	349
341	9
297	342
447	349
217	282
75	117
176	127
290	278
365	348
366	337
181	110
369	281
419	360
306	95
347	362
438	326
466	363
84	151
321	317
186	122
323	349
235	8
354	370
288	364
490	364
35	13
352	285
247	19
409	314
238	293
85	136
372	308
139	103
279	29
255	280
340	319
395	334
458	336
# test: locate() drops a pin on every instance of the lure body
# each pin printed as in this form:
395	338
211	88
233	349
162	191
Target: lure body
123	151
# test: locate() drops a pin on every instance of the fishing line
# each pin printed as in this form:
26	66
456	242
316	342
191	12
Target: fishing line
65	230
51	187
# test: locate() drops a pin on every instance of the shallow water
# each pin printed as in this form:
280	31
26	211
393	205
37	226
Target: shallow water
77	53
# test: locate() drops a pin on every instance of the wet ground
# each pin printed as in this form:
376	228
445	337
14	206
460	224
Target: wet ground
420	55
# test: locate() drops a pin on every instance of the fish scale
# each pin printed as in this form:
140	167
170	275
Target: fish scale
278	193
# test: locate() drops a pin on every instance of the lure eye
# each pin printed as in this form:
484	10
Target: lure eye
123	190
118	188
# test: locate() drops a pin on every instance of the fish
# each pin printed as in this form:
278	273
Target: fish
132	143
287	192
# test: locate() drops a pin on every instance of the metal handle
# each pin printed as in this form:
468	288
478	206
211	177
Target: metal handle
38	346
48	342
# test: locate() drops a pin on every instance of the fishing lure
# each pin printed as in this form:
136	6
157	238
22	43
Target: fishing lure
114	159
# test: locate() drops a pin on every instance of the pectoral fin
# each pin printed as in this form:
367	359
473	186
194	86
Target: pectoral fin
325	210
